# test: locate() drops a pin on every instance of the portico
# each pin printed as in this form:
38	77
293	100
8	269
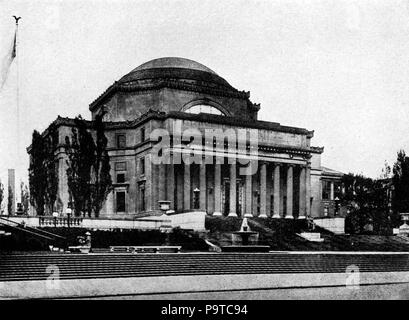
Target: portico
277	189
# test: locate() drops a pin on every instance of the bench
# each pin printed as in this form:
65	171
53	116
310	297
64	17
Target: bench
145	249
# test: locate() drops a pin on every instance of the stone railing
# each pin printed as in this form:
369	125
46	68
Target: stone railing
60	222
186	220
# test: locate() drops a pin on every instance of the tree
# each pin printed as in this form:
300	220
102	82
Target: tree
51	168
25	197
10	201
81	157
368	202
89	179
102	181
38	173
1	196
400	181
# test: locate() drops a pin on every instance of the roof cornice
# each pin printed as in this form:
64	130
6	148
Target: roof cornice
142	86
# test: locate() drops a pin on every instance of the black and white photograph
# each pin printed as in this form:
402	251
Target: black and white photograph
228	151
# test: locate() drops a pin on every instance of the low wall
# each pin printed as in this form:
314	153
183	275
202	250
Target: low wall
335	225
150	224
189	220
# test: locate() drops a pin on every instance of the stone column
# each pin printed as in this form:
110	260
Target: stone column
332	190
186	193
180	190
249	196
152	185
308	191
233	187
276	191
301	214
171	185
217	190
203	190
289	213
263	190
162	182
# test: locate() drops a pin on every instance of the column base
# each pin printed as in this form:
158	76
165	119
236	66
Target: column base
289	217
232	214
217	214
263	215
276	216
301	217
248	215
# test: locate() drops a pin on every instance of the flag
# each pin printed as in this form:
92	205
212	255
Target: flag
7	61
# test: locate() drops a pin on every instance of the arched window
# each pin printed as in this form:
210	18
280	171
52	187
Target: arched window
204	108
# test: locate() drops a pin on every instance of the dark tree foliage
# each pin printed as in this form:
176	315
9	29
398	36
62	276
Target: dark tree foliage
43	172
101	173
81	158
10	201
25	197
400	180
51	167
38	173
368	204
89	179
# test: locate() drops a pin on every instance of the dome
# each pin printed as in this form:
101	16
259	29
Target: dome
175	68
173	62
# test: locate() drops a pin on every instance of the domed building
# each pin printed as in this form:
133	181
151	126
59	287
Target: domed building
188	100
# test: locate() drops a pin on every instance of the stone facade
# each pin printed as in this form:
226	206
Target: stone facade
166	94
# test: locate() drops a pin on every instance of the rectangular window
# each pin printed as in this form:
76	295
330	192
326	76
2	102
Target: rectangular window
120	201
121	140
326	190
142	195
142	165
143	134
120	178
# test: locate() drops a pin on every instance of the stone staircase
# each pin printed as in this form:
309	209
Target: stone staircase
76	266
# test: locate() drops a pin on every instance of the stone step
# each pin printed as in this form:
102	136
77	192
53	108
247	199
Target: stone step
77	266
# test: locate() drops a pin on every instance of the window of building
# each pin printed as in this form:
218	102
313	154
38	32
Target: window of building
142	196
120	178
121	140
326	190
203	108
120	201
142	165
143	134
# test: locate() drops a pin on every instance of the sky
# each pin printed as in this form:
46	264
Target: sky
340	68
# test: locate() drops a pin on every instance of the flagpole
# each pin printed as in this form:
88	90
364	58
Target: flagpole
19	159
